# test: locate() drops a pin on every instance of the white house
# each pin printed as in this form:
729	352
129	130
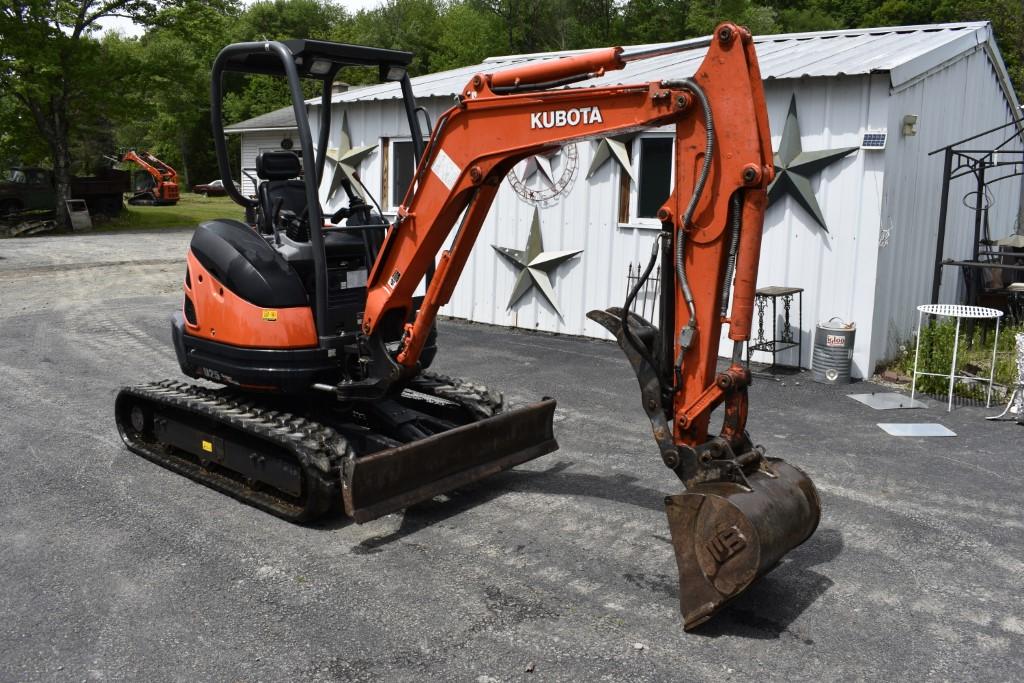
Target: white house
856	88
267	132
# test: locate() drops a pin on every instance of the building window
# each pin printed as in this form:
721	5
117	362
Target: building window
655	177
401	167
640	201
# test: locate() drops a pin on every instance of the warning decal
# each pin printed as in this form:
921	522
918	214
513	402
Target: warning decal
445	169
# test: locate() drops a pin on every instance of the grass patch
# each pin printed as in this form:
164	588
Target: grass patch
190	211
974	350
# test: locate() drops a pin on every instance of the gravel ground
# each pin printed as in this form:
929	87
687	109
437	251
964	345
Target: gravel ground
112	568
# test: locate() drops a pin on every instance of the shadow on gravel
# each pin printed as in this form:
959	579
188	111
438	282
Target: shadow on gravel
555	481
768	607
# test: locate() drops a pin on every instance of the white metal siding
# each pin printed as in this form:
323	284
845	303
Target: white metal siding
843	272
952	103
252	144
835	269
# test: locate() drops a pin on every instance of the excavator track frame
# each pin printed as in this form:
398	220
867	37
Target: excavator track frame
301	467
222	418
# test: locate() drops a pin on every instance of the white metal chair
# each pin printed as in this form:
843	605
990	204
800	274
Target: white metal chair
1017	397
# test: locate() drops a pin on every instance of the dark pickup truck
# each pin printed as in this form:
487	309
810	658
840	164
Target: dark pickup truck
33	189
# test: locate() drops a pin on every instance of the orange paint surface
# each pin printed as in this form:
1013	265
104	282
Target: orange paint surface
224	317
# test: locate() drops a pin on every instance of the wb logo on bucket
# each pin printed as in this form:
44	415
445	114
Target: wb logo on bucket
726	544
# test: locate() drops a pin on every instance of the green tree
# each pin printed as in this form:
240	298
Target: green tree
59	74
466	35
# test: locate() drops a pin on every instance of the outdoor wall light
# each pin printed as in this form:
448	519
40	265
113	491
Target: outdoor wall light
910	125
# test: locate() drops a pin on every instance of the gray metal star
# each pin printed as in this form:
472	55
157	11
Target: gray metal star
540	163
346	161
536	265
794	167
612	148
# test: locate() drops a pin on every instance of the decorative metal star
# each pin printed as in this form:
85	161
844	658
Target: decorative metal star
540	163
611	148
794	167
536	265
346	161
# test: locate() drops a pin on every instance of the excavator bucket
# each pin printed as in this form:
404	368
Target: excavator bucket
726	535
386	481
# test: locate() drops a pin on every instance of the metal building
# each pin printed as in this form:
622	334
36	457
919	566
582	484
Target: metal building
891	95
267	132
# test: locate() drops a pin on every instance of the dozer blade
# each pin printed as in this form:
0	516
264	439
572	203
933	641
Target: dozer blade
727	534
380	483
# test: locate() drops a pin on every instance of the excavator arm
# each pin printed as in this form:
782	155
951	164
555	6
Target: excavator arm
712	218
741	511
165	179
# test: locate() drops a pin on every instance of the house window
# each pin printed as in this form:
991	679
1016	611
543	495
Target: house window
655	176
640	201
401	167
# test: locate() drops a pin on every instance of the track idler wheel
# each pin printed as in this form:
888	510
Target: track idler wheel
727	534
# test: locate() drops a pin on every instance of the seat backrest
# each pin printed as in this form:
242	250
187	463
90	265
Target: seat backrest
279	165
279	191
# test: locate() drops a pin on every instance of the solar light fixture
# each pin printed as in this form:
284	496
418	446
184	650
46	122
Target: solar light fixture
910	125
874	139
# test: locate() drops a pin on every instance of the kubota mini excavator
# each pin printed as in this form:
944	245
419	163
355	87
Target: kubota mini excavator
161	188
315	330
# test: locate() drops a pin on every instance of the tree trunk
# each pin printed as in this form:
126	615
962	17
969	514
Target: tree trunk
184	178
60	149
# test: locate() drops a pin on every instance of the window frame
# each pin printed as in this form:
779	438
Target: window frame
389	145
629	192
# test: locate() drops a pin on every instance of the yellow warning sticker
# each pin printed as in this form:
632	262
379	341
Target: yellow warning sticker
207	446
269	315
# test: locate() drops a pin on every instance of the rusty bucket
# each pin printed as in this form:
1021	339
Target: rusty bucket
727	534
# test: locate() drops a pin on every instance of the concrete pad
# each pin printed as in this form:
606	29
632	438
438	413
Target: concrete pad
887	401
915	429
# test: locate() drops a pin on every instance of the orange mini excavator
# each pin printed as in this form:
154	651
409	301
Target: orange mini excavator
161	188
323	347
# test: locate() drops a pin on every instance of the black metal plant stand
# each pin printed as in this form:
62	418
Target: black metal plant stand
786	340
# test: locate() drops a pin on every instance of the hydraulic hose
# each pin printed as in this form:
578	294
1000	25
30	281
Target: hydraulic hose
686	334
735	216
631	297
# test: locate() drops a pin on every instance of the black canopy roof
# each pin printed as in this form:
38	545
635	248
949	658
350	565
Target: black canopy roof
306	52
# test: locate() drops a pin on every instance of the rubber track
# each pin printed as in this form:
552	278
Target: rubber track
477	399
317	448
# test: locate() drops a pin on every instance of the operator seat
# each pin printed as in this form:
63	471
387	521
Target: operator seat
280	190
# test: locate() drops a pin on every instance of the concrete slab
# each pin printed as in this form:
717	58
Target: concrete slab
887	400
915	429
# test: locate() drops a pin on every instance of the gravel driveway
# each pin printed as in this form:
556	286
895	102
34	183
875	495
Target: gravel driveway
114	569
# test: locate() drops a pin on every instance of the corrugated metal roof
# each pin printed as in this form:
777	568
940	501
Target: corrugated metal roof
279	119
905	52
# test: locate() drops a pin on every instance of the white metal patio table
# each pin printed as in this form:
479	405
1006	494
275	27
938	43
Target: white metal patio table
959	312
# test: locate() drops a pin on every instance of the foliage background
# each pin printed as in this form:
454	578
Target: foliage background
152	92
